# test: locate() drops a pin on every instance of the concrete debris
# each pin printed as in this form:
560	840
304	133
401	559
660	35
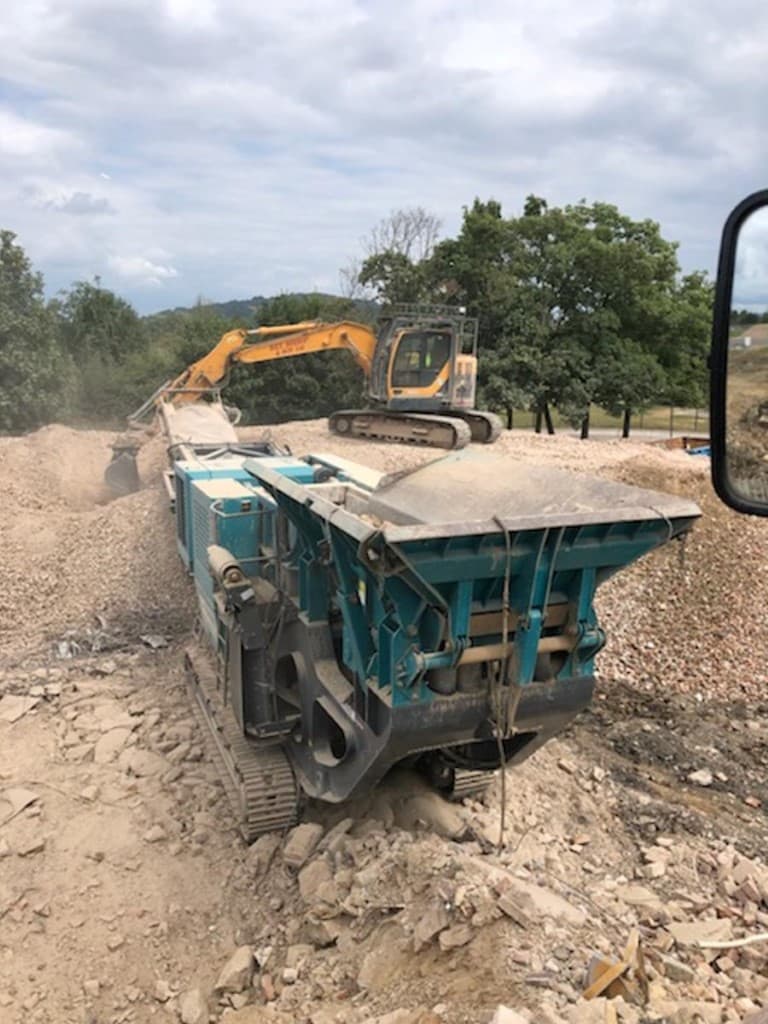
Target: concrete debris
193	1007
14	800
428	810
301	843
154	640
236	974
261	853
162	991
638	896
109	745
142	763
595	1011
316	874
538	901
400	1017
675	969
458	935
691	933
504	1015
252	1015
430	924
690	1011
155	834
12	707
35	844
333	840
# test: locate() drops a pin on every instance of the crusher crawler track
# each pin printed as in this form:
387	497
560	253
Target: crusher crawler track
470	783
258	779
449	432
452	782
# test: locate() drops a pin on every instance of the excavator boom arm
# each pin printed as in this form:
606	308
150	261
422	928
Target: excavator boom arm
267	343
301	339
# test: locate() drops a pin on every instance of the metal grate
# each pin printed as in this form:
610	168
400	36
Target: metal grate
466	327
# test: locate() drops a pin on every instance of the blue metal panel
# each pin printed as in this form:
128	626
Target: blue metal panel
235	515
228	467
224	467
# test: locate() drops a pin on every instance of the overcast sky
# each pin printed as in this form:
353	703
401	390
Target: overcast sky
186	148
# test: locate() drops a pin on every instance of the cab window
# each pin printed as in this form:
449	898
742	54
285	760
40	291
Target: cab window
419	358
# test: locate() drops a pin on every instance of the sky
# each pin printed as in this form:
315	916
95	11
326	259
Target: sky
185	149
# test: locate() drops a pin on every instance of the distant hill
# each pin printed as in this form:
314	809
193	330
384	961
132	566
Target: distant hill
245	309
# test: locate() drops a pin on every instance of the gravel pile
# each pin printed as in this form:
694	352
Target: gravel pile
689	617
72	562
405	905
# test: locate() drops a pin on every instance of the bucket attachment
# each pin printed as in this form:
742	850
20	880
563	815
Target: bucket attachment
122	474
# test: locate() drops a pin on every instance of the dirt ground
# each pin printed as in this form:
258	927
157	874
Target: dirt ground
125	891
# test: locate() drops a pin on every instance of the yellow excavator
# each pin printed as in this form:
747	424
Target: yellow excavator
420	364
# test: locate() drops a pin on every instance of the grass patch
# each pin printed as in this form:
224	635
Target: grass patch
656	418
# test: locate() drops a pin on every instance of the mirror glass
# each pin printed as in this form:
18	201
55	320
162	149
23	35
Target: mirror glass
746	412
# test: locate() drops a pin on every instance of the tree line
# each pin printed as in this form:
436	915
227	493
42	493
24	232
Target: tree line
578	306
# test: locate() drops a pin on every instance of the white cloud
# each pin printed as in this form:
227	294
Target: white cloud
244	148
141	271
77	203
25	139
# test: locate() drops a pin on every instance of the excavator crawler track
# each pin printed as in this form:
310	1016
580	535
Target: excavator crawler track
485	427
449	432
258	778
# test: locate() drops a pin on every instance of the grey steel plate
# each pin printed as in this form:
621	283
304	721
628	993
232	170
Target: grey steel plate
471	487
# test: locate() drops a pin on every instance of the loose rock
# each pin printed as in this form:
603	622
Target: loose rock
193	1007
237	973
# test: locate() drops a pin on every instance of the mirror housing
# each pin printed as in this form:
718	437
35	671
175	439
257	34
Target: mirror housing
720	353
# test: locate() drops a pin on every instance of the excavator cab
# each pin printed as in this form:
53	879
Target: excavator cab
425	360
419	361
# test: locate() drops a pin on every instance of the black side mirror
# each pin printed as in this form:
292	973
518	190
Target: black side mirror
739	361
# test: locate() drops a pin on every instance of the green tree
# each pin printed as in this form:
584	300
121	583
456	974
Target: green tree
561	293
105	338
681	338
95	321
630	381
302	387
394	278
36	375
395	267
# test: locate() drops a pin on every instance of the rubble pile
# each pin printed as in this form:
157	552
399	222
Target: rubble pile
73	560
688	616
126	895
399	907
